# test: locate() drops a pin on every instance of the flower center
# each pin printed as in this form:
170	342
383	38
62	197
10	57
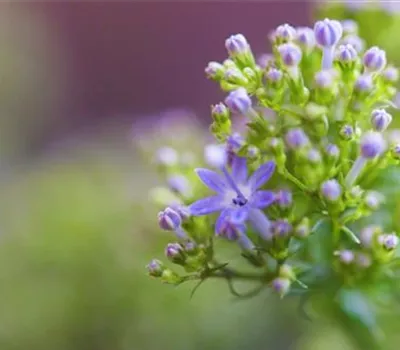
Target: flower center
240	201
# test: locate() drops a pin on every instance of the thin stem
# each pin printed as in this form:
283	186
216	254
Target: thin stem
355	171
327	57
294	179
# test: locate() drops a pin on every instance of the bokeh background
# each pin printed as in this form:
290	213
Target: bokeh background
86	88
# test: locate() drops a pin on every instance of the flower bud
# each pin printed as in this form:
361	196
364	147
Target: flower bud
290	54
281	285
282	228
388	241
182	210
296	138
284	33
220	112
166	156
363	260
286	271
356	192
302	230
155	268
331	190
346	54
380	119
236	44
349	26
234	76
395	151
214	70
284	199
174	252
169	219
179	184
305	38
367	235
265	60
374	59
373	200
238	101
328	32
274	75
346	132
390	74
364	83
324	79
355	41
314	156
332	151
215	156
372	144
227	229
346	256
190	248
228	63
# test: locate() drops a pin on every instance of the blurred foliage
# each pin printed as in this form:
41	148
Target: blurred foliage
75	241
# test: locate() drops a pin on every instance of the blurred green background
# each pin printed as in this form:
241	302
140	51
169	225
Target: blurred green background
77	226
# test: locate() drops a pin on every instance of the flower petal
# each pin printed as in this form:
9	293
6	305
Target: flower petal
261	199
212	180
239	169
261	175
261	224
221	221
239	215
207	205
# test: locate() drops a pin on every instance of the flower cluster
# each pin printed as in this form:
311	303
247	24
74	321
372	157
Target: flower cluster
293	190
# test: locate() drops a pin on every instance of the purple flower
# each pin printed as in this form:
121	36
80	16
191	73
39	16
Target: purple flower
331	190
373	200
175	253
237	195
380	119
281	285
219	111
274	75
169	219
290	54
215	155
166	156
345	256
332	150
346	53
363	260
214	70
367	235
282	228
155	268
284	33
374	59
364	83
296	138
390	74
324	79
179	184
349	26
328	32
347	132
388	241
314	156
355	41
236	44
372	144
396	151
284	198
305	37
239	101
265	60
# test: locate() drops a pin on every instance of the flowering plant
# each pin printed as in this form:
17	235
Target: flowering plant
300	189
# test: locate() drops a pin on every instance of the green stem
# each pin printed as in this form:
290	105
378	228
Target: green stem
295	180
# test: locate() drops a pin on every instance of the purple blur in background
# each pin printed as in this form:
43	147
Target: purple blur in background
144	57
